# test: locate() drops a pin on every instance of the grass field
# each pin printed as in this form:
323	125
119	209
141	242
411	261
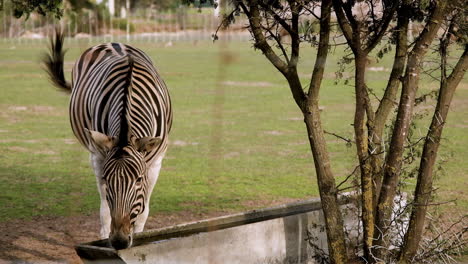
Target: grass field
238	138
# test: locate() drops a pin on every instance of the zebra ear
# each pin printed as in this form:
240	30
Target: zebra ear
101	140
147	144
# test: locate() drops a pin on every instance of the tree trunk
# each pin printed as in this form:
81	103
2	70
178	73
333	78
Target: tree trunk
308	104
388	100
423	190
400	131
364	116
327	187
325	178
118	8
362	147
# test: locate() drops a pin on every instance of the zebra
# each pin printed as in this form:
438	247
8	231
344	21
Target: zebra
120	111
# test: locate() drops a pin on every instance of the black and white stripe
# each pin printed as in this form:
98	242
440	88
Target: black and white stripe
99	88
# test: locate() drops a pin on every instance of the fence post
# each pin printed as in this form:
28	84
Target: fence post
89	27
76	26
96	22
128	19
111	26
69	31
4	25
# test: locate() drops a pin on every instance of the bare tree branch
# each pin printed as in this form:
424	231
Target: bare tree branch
260	40
277	17
279	44
382	28
345	25
295	40
347	140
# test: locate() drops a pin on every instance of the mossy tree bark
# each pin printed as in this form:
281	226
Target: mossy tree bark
405	111
388	101
326	180
423	190
362	44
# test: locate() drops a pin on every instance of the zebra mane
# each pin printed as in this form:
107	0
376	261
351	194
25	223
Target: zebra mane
125	126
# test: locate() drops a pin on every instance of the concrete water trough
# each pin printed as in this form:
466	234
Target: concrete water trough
290	233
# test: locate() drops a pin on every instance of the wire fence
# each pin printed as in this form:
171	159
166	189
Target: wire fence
181	24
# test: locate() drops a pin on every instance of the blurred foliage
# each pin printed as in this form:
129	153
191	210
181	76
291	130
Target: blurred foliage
121	24
200	3
96	14
159	5
460	31
43	7
78	5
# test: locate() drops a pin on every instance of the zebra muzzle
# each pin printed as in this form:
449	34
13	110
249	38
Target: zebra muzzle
120	241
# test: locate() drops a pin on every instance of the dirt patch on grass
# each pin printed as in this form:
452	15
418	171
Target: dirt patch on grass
273	133
46	239
37	109
9	110
14	113
460	125
181	143
463	86
70	141
52	239
18	149
298	118
28	141
247	84
459	104
27	150
231	155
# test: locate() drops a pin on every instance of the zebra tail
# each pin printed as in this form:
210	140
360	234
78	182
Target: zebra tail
54	61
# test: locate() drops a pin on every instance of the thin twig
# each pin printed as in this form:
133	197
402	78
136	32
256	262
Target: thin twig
347	177
349	141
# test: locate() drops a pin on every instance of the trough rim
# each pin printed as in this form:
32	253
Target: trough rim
100	249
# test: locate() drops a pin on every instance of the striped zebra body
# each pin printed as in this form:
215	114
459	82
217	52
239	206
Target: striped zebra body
120	110
99	85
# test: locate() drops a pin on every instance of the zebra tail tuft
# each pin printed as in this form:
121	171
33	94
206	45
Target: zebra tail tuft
54	61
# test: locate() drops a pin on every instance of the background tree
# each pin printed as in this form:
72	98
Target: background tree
43	7
157	4
364	24
266	22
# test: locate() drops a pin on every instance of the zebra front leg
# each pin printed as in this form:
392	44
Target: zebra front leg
153	174
105	216
105	219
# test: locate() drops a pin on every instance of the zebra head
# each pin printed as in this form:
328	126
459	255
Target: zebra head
125	177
